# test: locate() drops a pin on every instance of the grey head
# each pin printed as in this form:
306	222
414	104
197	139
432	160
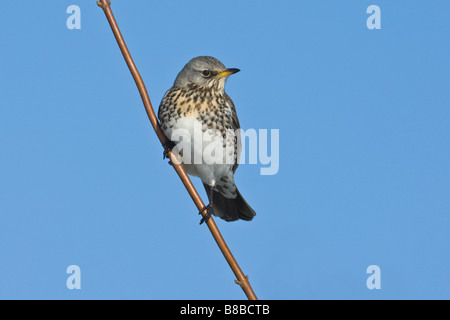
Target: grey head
207	72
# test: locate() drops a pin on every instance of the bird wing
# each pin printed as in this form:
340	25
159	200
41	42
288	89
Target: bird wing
236	126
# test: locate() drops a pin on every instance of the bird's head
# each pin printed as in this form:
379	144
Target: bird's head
205	72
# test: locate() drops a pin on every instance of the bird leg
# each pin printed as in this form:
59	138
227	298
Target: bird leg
209	211
209	207
168	146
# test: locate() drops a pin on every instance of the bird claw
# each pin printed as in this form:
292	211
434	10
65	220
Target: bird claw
209	212
168	146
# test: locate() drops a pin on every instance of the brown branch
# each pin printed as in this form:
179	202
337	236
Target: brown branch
242	280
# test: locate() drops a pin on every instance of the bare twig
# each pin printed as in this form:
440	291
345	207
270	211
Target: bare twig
242	280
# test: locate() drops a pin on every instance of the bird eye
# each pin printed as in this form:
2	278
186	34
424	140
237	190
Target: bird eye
206	73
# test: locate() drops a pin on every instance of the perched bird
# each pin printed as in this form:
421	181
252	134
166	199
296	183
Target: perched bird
197	101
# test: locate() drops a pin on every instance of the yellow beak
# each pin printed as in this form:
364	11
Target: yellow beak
227	72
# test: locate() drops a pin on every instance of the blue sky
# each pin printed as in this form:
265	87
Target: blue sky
364	177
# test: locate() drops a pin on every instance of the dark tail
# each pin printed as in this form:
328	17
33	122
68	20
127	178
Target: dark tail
230	209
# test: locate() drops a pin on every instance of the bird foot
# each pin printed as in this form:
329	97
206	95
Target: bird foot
209	212
168	146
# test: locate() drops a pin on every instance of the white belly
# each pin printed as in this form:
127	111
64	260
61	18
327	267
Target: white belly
203	152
